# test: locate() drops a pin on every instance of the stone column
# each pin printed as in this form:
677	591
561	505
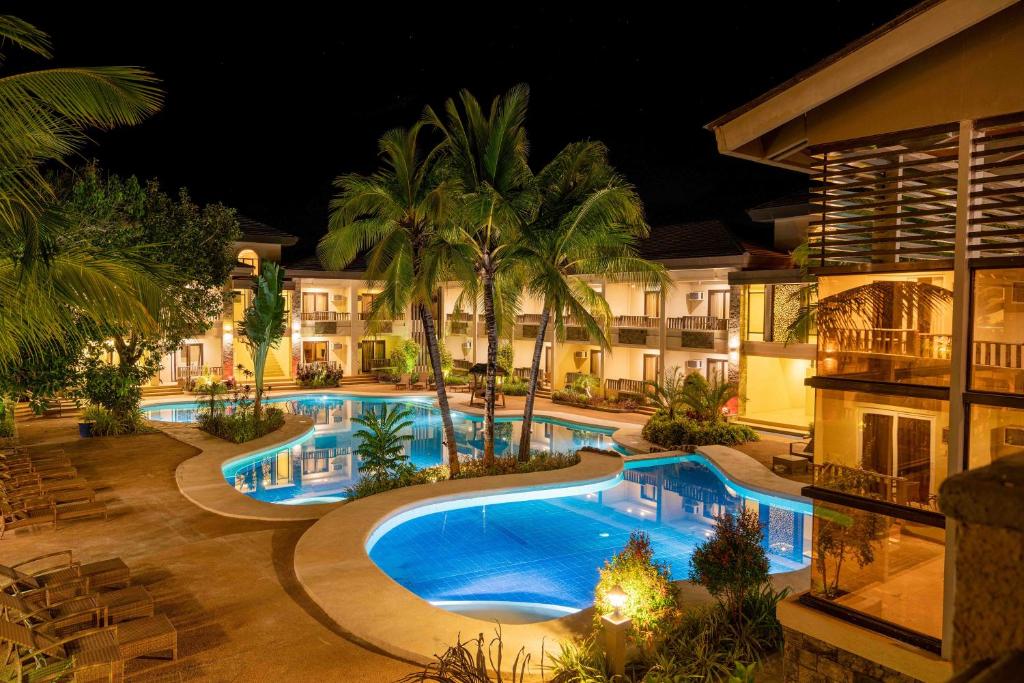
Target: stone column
296	324
732	334
987	505
227	349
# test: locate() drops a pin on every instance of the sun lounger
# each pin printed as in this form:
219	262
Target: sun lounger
422	382
80	510
404	381
99	574
75	613
12	519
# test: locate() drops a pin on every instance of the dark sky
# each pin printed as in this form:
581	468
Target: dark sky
264	109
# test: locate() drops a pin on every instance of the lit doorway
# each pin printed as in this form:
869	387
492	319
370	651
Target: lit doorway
371	350
899	445
651	367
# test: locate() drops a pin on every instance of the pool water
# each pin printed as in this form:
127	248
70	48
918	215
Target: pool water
317	468
539	555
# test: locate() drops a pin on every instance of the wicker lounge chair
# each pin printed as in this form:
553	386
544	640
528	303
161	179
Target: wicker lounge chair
12	519
404	380
38	657
94	609
100	574
422	381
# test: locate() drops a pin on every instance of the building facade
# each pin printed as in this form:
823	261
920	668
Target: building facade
912	140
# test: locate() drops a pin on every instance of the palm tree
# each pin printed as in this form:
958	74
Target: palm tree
705	400
381	453
263	325
44	117
394	214
486	155
668	395
588	221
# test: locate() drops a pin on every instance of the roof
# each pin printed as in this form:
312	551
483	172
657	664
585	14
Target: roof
786	206
831	59
311	263
704	239
255	231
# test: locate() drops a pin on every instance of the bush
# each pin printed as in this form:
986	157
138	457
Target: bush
7	429
107	423
239	428
514	386
405	355
683	431
506	357
114	387
457	380
381	451
650	593
315	377
732	563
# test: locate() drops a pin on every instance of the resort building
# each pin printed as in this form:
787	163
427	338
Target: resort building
694	326
911	138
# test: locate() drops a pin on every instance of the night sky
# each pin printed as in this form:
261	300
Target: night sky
264	109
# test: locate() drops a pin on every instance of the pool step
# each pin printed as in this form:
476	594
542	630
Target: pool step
162	390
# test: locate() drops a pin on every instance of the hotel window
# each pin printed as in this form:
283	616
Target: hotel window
756	304
192	355
997	331
314	351
652	304
248	257
314	302
648	492
718	371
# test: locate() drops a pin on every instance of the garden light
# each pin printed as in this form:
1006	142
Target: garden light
617	599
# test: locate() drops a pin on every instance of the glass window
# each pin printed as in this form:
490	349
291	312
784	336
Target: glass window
995	433
755	312
889	448
886	328
886	567
997	334
314	302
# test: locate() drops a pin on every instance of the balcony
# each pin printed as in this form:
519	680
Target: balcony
460	323
325	316
700	332
702	323
636	322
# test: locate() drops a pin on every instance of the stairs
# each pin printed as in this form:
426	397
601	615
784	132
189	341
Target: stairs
357	379
163	390
55	408
646	410
544	392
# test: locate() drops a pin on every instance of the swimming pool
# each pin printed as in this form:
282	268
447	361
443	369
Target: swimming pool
535	555
318	467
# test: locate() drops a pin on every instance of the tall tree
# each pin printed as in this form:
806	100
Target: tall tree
264	325
44	117
486	154
589	221
191	245
394	215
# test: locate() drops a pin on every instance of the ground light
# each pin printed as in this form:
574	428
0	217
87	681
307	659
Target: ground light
615	626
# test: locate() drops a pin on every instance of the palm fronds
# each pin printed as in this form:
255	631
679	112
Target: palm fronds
381	451
263	324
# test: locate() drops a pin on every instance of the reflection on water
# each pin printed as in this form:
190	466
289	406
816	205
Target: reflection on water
324	464
549	551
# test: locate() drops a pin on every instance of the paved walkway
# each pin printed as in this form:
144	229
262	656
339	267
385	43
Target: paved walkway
227	585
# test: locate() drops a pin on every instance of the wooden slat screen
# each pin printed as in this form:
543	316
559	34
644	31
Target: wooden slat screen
996	223
885	200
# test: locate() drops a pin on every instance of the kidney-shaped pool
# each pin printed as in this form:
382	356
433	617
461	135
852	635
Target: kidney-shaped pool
535	555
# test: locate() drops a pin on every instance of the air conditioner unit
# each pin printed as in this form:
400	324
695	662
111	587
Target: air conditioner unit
580	355
1009	440
340	299
695	296
694	364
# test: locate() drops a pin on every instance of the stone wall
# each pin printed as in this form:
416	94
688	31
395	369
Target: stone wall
988	610
809	660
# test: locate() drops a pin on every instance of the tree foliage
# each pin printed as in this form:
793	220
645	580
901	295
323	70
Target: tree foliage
381	451
264	325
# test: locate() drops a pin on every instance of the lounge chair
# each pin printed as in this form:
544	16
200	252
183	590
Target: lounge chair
422	382
99	574
70	495
405	380
45	471
12	519
106	647
99	609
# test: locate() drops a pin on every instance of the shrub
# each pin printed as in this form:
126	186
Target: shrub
115	387
107	423
381	452
506	357
7	428
650	593
447	362
405	355
457	380
682	431
462	664
731	563
315	377
515	386
242	427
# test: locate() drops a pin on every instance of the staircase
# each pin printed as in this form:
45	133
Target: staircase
357	379
646	410
162	390
55	408
544	392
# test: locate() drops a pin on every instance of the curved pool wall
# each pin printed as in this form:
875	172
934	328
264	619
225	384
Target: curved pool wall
534	555
319	467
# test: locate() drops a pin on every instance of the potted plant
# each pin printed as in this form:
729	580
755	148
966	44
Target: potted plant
85	427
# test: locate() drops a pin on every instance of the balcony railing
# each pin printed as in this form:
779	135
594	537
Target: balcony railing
698	322
635	321
319	365
634	386
868	484
189	371
325	316
999	355
890	342
366	315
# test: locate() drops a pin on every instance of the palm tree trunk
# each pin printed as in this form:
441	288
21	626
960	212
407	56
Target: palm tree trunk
442	394
491	323
258	362
531	394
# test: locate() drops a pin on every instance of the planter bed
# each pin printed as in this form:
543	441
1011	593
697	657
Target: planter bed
603	409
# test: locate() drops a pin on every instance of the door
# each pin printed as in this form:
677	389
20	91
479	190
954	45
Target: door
371	350
718	371
718	304
652	304
899	445
314	302
596	358
650	367
549	363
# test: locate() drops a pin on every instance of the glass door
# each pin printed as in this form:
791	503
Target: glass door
899	445
650	367
718	303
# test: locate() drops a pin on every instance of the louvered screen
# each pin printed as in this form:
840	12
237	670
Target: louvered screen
997	189
885	200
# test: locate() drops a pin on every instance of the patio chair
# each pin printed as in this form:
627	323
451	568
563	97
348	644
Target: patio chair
73	495
41	659
12	519
405	380
99	574
48	459
99	609
422	382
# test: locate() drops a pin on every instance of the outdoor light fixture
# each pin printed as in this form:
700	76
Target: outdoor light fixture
615	627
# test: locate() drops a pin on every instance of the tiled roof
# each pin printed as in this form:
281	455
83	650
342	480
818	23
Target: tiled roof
312	263
690	240
786	206
254	231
